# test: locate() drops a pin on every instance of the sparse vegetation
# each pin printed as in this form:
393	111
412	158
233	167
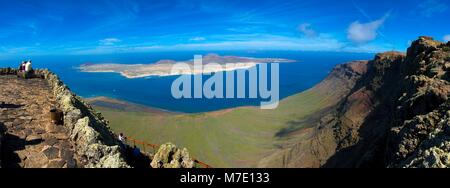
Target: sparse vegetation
446	48
226	138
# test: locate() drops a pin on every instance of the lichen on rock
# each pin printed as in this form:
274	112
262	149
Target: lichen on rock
169	156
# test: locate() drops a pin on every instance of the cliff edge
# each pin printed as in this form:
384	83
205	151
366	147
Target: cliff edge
396	115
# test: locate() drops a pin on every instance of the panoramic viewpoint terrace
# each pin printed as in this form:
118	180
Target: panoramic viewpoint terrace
31	139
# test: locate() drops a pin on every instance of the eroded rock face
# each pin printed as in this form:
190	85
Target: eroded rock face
169	156
424	141
420	137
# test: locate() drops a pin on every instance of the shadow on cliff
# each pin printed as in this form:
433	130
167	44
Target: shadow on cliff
369	151
294	126
369	147
139	161
10	144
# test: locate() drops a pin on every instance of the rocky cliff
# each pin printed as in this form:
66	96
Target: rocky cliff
94	141
395	115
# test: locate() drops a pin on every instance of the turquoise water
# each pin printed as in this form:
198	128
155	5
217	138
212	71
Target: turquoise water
155	92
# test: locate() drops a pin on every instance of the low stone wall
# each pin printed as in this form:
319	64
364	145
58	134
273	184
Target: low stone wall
94	140
6	71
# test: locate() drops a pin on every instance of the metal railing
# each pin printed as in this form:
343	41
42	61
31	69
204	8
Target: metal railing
154	147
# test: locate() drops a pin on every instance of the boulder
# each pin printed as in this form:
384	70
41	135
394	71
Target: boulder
83	134
101	156
90	145
169	156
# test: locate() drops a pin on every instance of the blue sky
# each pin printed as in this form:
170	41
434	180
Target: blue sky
47	27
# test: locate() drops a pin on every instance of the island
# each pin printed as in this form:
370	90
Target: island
165	67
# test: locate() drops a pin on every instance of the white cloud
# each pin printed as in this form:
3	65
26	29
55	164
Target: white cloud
319	43
429	8
109	41
447	38
269	43
306	29
369	48
365	32
197	39
322	42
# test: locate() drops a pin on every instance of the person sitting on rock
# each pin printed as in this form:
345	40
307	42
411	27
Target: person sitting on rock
22	66
28	69
136	151
21	70
122	140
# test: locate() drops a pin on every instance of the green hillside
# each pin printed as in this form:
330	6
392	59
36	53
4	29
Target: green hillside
229	138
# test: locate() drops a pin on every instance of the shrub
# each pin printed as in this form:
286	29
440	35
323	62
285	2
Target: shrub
446	48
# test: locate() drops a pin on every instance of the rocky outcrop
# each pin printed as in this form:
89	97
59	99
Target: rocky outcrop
422	142
420	135
169	156
94	141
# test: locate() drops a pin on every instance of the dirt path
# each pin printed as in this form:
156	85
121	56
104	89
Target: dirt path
31	140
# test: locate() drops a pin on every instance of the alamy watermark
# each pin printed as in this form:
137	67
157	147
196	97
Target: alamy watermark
214	86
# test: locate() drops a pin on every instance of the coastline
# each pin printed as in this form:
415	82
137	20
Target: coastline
163	72
209	64
127	106
122	105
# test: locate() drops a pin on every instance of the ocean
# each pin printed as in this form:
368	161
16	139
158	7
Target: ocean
155	92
